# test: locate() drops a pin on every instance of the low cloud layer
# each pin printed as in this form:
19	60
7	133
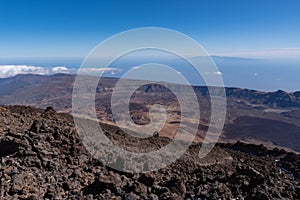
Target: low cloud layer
213	73
13	70
89	70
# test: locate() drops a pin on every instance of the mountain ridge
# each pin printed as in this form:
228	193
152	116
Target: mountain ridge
279	98
277	107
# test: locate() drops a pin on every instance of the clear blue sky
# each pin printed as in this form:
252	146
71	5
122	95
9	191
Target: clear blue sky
51	28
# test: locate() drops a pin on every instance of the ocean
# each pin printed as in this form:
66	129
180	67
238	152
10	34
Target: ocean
263	75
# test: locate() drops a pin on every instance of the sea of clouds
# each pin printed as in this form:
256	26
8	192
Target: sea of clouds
13	70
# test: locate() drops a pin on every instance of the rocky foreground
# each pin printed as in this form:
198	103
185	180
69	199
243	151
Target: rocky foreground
42	157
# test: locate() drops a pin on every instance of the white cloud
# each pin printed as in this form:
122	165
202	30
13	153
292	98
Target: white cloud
90	70
60	69
12	70
136	67
213	73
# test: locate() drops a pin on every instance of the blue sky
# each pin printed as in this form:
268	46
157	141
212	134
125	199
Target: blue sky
54	28
46	36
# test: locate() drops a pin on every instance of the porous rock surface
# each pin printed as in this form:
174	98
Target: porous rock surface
42	157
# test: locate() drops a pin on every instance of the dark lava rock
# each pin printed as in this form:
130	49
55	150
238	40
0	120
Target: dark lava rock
42	157
147	180
98	187
7	148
